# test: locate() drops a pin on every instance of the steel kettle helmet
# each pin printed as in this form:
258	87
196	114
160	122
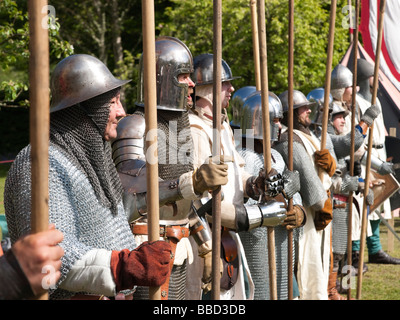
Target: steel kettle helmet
173	58
341	77
78	78
299	100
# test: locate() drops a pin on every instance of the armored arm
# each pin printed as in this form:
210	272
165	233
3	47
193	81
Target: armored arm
380	166
249	216
129	158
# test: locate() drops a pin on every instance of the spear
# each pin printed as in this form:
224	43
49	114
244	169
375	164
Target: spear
39	116
256	46
370	138
216	147
150	98
266	138
290	140
353	122
325	114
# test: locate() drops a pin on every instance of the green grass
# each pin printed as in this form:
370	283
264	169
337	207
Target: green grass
380	282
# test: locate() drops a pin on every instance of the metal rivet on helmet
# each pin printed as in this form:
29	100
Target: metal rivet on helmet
78	78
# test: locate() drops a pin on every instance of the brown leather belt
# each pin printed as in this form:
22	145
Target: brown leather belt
176	232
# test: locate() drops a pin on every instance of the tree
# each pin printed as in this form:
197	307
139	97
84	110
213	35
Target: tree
14	51
191	21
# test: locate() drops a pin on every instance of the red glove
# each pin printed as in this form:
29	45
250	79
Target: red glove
147	265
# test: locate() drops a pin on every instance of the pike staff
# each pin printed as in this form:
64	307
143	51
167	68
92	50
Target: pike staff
216	147
266	138
370	137
256	46
325	114
352	144
39	81
150	98
290	140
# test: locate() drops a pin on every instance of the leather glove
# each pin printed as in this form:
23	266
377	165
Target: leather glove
207	272
324	160
265	185
295	218
210	176
291	183
147	265
386	168
324	216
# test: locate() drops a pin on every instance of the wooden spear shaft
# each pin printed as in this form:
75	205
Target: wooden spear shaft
266	138
290	140
216	147
370	138
325	114
150	98
256	46
39	116
352	144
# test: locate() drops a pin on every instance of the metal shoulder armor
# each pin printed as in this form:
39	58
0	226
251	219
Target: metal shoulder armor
129	143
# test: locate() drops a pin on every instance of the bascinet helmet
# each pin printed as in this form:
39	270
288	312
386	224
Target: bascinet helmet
299	100
341	77
78	78
317	110
173	58
251	116
203	70
238	99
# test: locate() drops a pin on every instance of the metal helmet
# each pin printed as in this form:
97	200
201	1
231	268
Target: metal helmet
80	77
173	58
341	77
203	70
238	99
337	108
365	70
299	100
251	116
317	110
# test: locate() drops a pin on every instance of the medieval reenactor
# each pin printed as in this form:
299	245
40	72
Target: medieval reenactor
85	192
247	117
179	183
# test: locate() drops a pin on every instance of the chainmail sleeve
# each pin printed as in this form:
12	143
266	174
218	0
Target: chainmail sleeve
311	189
73	208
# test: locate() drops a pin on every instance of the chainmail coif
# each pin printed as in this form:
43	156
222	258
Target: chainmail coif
79	131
